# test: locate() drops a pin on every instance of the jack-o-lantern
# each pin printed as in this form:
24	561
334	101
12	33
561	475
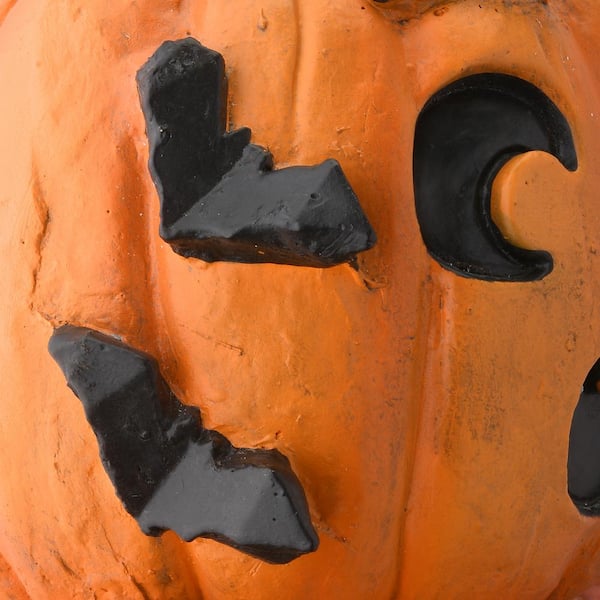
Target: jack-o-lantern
393	346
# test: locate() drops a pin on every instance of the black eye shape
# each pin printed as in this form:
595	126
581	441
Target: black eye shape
464	135
220	197
583	465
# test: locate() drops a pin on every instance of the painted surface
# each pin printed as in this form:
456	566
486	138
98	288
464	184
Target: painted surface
426	415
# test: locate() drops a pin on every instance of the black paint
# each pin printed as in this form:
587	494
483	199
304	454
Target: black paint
220	198
583	465
170	472
464	135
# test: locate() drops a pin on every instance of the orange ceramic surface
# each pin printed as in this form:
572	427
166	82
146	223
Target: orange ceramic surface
427	415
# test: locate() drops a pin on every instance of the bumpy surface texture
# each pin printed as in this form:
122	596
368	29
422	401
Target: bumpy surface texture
426	414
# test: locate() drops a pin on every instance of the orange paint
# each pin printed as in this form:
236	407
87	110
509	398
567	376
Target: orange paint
427	415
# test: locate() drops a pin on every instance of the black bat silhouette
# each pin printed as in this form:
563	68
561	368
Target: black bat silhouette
170	472
220	198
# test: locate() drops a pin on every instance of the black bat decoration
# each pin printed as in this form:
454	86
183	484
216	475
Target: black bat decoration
169	471
220	197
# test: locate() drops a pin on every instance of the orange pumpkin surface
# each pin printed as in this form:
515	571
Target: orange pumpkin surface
426	414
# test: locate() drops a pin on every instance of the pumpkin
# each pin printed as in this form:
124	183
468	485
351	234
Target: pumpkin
426	412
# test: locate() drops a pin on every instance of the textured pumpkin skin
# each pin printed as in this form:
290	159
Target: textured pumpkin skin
427	415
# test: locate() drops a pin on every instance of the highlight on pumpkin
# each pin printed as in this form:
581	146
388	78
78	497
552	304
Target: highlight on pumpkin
170	472
220	198
583	464
464	135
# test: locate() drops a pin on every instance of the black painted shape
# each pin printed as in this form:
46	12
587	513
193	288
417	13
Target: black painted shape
220	199
464	135
170	472
583	464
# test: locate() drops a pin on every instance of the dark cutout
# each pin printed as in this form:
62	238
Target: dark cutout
583	465
170	472
464	135
220	198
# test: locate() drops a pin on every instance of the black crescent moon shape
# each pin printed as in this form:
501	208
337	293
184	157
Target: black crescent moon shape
464	135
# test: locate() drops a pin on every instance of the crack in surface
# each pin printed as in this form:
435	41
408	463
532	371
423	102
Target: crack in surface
297	60
140	588
63	563
43	213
